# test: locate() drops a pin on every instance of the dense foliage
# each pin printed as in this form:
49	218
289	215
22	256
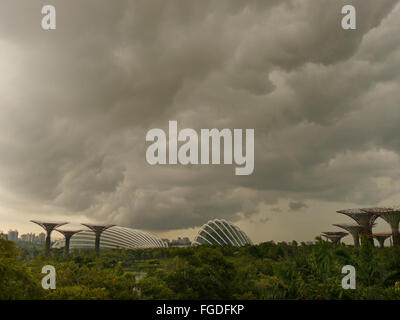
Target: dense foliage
265	271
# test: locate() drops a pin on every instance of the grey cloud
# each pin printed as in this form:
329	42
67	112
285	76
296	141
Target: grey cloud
296	206
77	102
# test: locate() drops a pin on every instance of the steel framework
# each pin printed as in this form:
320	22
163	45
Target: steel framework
98	230
354	230
381	237
365	219
335	237
392	216
49	227
67	235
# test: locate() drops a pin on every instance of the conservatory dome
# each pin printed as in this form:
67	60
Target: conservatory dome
113	238
221	232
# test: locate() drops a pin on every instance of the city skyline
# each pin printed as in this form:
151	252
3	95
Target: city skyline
380	228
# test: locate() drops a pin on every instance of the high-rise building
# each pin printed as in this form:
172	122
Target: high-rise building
13	235
33	238
181	242
41	237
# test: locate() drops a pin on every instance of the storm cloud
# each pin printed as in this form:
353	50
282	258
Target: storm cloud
76	104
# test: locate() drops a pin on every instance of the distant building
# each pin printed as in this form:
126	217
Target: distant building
33	238
181	242
41	237
13	235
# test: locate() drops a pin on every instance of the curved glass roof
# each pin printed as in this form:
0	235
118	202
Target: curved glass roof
221	232
113	238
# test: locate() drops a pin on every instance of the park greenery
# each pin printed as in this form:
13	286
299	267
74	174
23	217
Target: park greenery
265	271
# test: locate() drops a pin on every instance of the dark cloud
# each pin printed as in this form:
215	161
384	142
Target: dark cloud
77	103
296	206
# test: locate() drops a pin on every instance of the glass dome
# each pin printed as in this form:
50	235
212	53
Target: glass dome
113	238
221	232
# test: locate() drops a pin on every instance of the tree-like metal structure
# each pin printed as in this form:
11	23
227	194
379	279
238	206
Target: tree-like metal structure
363	218
98	230
392	216
67	235
49	227
354	230
381	237
335	237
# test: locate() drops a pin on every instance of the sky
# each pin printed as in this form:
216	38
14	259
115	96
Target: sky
77	102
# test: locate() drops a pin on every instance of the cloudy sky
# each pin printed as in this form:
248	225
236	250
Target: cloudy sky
76	103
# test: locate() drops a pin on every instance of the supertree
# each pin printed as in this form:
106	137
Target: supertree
98	230
67	235
381	237
365	219
392	216
49	227
335	237
354	230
